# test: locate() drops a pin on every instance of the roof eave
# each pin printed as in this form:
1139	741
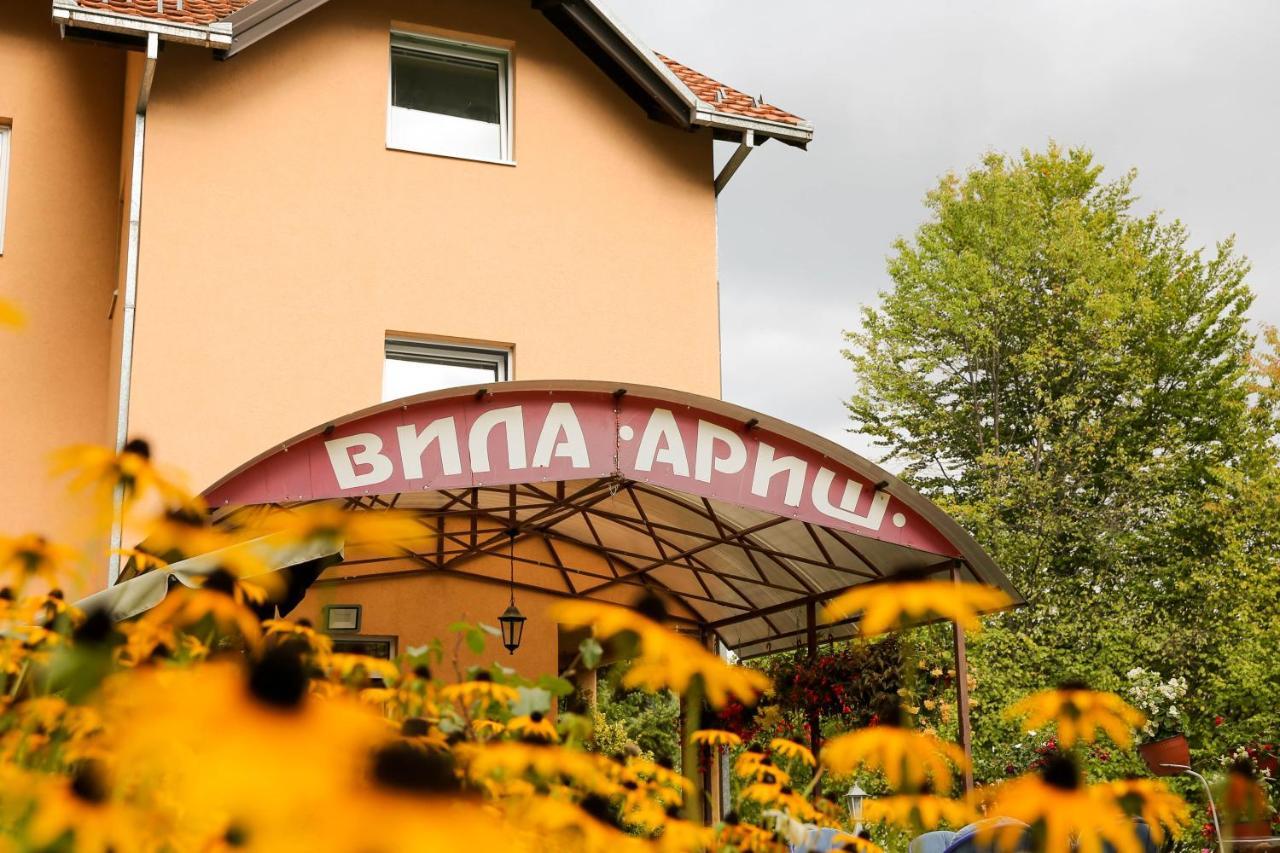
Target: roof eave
68	13
793	134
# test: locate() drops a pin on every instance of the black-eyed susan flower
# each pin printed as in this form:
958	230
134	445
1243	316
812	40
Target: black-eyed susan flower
534	727
330	521
102	472
902	755
1079	713
299	631
482	688
918	812
82	809
487	728
893	603
665	660
32	556
715	737
1151	799
221	598
789	749
1062	813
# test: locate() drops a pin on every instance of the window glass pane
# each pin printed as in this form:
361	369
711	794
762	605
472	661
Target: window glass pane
445	85
405	378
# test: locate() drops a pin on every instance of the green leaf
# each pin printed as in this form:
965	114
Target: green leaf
591	652
555	685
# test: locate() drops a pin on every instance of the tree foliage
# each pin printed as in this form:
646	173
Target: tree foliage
1078	386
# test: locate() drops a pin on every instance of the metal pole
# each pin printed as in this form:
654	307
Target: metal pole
1213	812
815	720
962	693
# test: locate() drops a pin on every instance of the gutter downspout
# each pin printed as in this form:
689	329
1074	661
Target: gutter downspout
131	288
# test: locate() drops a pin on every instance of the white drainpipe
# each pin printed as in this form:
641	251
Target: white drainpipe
131	285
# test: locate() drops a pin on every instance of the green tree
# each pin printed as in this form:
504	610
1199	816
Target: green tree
1076	385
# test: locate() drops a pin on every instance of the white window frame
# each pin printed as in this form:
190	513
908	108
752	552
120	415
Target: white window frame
437	46
6	132
497	359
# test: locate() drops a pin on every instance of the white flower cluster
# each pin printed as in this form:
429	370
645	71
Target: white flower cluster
1156	698
1242	752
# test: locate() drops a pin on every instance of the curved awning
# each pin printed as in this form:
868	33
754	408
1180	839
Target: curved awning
744	520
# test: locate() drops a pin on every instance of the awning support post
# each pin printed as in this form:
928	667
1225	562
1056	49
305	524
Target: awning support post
815	719
962	693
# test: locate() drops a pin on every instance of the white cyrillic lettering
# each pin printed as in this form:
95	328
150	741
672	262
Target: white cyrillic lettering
344	462
662	426
704	458
768	467
849	502
561	419
512	418
413	444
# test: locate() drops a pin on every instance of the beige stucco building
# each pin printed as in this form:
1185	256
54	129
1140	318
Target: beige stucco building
282	234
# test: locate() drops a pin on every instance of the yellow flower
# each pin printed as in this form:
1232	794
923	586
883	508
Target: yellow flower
891	604
659	775
482	689
900	754
666	660
325	521
10	315
918	811
512	759
360	667
1079	713
1149	799
216	599
487	727
82	807
32	556
715	737
1062	814
101	470
534	727
791	749
286	630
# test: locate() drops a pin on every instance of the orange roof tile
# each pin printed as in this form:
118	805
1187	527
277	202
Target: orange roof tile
726	99
177	11
720	97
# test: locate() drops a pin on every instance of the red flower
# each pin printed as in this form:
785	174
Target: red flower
1218	720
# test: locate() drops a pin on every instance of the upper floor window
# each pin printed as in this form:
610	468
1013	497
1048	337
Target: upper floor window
416	367
4	177
449	98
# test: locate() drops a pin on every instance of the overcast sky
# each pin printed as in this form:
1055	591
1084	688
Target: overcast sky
902	91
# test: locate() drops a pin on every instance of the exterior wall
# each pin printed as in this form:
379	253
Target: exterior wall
59	261
282	240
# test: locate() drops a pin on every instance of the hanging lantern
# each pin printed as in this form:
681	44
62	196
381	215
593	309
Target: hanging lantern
512	620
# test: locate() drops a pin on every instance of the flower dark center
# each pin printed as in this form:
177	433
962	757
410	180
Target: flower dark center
1061	772
279	679
236	836
90	784
422	671
536	716
221	580
401	766
415	727
652	608
95	629
138	447
1073	684
483	676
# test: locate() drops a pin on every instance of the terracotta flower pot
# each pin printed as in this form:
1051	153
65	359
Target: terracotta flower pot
1251	829
1170	750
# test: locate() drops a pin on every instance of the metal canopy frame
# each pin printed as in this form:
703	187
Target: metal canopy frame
749	577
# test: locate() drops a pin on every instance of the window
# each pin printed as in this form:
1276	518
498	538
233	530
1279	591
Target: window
4	177
415	367
370	646
449	98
